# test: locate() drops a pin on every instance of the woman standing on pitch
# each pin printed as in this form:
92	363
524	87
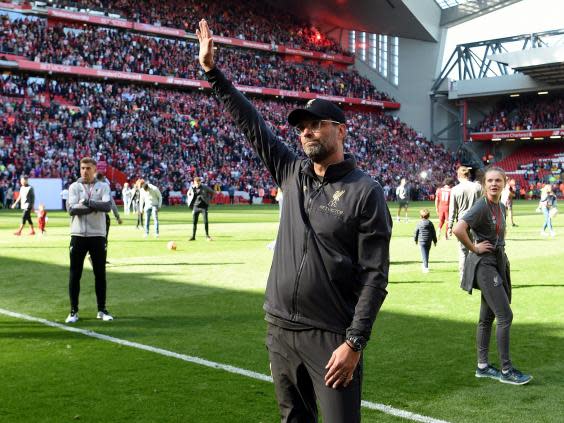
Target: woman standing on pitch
487	269
547	205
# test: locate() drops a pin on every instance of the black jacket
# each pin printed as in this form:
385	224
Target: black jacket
425	232
331	261
199	197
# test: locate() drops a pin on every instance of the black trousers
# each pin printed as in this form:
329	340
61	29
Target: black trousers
195	215
297	362
79	247
26	217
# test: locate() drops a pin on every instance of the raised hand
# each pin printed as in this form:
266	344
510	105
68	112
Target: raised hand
206	46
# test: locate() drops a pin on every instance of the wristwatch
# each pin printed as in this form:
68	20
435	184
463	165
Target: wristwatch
356	343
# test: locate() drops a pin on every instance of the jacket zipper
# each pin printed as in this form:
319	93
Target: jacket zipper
295	313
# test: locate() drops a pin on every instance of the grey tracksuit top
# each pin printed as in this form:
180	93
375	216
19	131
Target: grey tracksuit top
88	205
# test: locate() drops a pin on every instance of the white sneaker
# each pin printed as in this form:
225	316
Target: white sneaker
72	317
425	270
552	234
145	236
105	316
157	236
543	233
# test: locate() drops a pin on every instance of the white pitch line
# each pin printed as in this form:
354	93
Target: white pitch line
197	360
388	409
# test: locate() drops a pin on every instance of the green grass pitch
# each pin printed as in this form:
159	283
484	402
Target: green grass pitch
205	300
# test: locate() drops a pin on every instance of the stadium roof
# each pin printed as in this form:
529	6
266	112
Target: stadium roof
414	19
445	4
455	12
544	64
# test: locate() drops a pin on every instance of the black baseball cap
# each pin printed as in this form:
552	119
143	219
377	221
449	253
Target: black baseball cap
317	109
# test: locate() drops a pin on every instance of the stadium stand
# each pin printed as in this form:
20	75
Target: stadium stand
536	162
169	137
534	165
251	20
119	50
524	114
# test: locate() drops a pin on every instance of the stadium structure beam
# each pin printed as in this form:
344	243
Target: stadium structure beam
469	10
440	101
542	63
473	60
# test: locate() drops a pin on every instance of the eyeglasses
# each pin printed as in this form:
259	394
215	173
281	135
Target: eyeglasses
313	125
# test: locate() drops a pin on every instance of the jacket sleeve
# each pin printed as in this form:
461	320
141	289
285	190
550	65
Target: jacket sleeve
209	194
452	211
31	198
277	157
433	233
73	203
115	210
105	205
160	197
374	233
416	235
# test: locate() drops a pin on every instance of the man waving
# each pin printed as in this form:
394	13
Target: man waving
330	268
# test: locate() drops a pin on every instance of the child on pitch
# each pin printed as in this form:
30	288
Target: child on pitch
41	217
425	234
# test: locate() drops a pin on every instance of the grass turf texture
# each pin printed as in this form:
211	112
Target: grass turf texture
205	300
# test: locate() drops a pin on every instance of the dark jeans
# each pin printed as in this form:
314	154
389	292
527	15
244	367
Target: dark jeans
547	219
425	254
79	247
26	217
297	361
153	211
195	215
495	304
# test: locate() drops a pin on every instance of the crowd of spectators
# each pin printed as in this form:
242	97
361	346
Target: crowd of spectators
531	189
254	20
120	50
537	173
168	137
525	114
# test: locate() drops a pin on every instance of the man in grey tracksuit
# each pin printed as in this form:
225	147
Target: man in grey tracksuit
462	197
89	201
